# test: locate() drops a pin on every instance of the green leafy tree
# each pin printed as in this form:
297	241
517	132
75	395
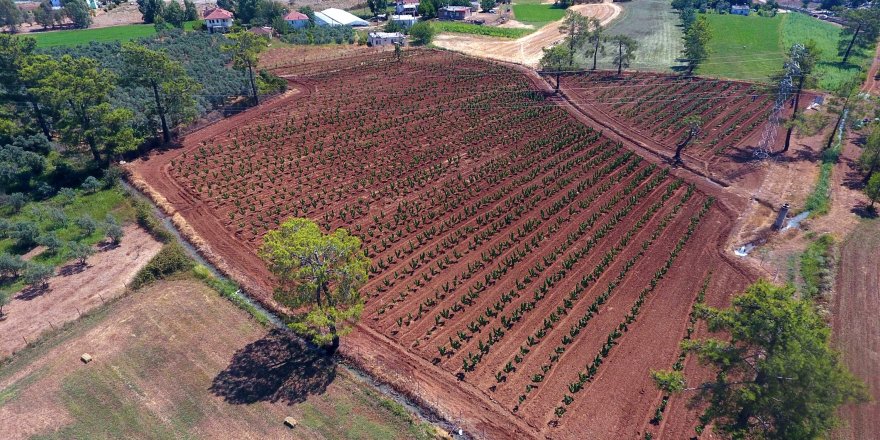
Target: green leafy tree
25	234
37	274
487	5
79	13
51	241
78	89
44	15
87	225
190	12
860	29
576	28
427	9
596	39
245	48
421	33
172	89
246	10
10	265
10	15
114	231
869	160
267	12
319	272
80	251
625	53
377	6
777	375
696	43
872	189
15	53
150	9
692	126
174	14
555	58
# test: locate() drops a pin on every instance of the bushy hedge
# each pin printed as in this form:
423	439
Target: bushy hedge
170	260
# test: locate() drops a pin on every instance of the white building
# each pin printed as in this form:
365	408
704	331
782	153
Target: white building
404	20
296	20
218	20
338	17
375	39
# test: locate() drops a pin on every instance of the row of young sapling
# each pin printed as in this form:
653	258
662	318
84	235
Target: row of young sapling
602	298
590	371
519	209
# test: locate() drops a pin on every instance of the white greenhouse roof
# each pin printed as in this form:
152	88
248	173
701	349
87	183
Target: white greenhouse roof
338	17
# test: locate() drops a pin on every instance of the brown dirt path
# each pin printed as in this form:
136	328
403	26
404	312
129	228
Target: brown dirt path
856	328
75	290
872	85
528	49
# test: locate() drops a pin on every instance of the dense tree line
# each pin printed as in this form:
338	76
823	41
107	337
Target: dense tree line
72	111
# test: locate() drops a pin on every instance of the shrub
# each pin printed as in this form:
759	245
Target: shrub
114	230
422	33
147	220
87	224
170	260
37	274
80	251
91	185
16	201
10	265
51	241
67	195
25	234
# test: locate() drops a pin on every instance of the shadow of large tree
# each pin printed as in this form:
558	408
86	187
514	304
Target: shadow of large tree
278	367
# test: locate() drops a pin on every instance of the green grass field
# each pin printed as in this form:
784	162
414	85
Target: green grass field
535	13
490	31
654	25
752	48
743	47
75	37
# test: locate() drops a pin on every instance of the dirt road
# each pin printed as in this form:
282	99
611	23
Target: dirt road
75	290
526	50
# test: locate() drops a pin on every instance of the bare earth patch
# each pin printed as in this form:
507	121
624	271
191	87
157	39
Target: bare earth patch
75	290
178	361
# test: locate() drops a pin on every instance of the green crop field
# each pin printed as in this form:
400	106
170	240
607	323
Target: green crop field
475	29
535	13
75	37
753	47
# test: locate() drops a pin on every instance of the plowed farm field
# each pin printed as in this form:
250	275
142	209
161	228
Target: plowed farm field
654	106
527	271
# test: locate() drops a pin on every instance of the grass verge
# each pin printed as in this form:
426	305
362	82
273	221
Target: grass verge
816	266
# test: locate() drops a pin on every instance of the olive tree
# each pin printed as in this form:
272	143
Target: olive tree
319	276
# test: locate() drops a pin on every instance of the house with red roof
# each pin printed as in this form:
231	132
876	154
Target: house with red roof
218	20
297	20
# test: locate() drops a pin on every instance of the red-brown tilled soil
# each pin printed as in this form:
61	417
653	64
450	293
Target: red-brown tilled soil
510	242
